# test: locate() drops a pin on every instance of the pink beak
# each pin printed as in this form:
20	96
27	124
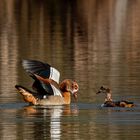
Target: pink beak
75	96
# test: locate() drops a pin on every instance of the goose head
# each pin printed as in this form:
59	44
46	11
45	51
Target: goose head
68	85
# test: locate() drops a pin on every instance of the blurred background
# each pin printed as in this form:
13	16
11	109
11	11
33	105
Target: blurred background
95	42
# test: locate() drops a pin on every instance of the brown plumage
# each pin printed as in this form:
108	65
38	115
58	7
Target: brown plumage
47	90
109	102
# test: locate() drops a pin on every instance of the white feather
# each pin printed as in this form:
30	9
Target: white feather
56	91
54	74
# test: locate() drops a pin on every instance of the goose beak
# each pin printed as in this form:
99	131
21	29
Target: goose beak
75	96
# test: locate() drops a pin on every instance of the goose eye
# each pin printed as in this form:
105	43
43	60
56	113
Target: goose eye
76	87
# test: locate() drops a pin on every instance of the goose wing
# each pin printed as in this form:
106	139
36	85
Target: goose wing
49	86
42	69
46	77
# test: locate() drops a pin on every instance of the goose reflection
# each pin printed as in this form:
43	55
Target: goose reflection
50	119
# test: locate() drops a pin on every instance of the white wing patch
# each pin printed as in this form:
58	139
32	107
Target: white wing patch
54	74
56	91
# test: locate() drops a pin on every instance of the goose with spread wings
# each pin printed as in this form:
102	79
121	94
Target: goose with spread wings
46	87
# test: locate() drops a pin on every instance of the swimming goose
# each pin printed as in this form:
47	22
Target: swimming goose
46	87
109	102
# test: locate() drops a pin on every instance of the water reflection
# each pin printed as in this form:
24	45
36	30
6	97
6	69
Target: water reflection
95	42
51	118
33	122
8	50
103	40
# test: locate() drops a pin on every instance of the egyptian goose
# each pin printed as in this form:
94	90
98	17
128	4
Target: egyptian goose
46	87
111	103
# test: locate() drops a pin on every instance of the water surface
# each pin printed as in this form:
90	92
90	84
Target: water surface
94	42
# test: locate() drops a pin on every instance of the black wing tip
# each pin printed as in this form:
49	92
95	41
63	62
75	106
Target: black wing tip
19	86
27	61
32	62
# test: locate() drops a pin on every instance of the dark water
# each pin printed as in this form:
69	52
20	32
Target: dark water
95	42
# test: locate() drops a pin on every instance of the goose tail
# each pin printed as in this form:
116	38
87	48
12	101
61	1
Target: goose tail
28	96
